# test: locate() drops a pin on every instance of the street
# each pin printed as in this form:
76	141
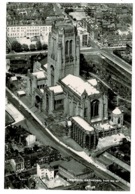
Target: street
17	55
117	61
107	53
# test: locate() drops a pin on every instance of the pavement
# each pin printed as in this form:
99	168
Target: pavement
70	142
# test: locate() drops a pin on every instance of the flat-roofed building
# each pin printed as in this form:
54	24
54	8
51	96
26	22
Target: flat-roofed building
83	133
45	172
72	170
84	37
29	31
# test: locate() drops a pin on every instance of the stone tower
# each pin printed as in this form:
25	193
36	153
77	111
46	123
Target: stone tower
63	52
117	117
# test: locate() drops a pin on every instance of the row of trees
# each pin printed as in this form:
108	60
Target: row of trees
17	47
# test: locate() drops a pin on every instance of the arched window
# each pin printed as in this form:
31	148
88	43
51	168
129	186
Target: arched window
38	99
47	102
52	75
70	50
94	108
119	120
66	47
87	141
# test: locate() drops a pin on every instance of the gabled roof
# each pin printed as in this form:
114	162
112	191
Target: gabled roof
78	85
116	111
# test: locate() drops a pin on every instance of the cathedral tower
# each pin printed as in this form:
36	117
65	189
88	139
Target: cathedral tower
63	52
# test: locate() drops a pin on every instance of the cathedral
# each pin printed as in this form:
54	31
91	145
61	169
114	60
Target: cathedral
57	86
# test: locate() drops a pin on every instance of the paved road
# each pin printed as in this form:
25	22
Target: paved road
117	161
61	146
119	62
17	55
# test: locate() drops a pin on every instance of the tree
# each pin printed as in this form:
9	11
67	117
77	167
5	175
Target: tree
32	47
25	47
16	46
35	147
68	10
39	45
31	183
44	46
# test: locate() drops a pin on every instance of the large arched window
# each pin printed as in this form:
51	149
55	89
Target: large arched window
70	50
66	47
94	108
87	141
52	75
38	101
47	102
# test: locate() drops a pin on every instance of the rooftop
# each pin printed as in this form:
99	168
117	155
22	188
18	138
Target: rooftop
56	163
56	89
43	166
116	111
78	85
17	116
8	119
63	25
45	66
83	123
93	82
39	75
21	92
74	167
28	25
14	78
